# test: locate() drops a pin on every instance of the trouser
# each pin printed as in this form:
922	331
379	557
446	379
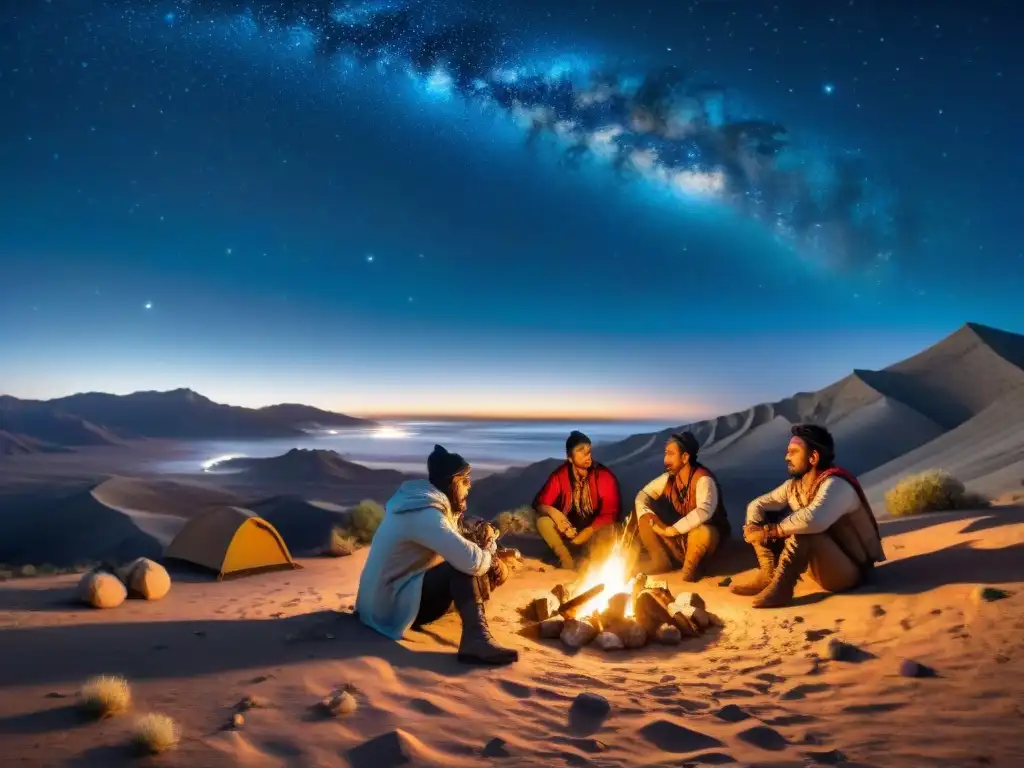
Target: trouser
824	561
691	550
565	550
441	585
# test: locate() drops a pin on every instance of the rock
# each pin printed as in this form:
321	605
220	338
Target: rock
652	610
609	641
877	610
725	582
635	636
989	594
911	668
698	617
716	620
253	702
101	590
837	650
590	705
496	748
552	628
339	703
237	721
544	607
577	634
145	579
669	634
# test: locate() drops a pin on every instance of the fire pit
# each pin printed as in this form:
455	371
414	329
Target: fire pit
609	608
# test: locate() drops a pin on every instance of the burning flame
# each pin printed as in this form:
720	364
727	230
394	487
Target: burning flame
613	572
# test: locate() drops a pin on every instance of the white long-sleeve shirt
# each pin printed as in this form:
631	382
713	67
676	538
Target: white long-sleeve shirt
834	499
705	499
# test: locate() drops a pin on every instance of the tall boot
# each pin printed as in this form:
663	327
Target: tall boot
792	562
477	645
754	584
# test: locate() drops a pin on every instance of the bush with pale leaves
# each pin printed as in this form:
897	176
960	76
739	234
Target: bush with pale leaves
105	696
933	490
519	520
366	516
155	733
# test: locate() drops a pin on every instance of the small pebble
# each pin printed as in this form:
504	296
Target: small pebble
237	721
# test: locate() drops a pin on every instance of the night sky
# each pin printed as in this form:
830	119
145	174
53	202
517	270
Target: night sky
643	209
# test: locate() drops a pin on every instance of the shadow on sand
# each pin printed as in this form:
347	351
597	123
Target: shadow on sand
160	650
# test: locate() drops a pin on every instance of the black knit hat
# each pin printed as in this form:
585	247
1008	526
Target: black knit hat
443	466
817	438
575	438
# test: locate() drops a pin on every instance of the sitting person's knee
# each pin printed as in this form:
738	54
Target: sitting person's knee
546	525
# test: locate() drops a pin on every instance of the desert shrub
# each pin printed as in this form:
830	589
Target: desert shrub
105	696
933	490
366	516
155	733
28	571
519	520
342	543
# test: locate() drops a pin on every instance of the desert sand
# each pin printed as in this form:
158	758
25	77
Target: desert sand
761	691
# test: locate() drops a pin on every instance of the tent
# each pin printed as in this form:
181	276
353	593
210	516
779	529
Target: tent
231	541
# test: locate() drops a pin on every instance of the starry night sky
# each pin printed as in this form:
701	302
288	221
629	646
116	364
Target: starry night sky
644	209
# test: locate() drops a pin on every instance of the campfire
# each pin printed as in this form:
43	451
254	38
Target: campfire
614	610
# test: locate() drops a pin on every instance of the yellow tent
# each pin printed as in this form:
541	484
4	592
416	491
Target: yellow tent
231	541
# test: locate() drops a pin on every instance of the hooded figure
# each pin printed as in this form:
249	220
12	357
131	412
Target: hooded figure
419	563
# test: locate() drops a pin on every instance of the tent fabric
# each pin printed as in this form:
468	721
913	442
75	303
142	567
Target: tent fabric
231	541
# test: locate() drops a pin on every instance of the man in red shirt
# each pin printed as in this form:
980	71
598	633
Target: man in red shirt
578	507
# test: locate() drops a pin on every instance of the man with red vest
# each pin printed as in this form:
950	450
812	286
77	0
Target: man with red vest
578	507
818	521
680	514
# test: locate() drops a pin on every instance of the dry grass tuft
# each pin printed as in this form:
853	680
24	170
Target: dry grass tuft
519	520
156	733
105	696
342	543
366	517
933	490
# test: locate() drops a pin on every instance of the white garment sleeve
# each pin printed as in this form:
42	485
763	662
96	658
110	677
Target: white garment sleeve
437	533
649	494
834	499
706	500
774	501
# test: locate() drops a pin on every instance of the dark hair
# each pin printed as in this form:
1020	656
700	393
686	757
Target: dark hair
575	438
817	439
687	442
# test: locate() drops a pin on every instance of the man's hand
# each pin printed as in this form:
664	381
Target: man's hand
761	534
665	531
583	536
569	532
562	524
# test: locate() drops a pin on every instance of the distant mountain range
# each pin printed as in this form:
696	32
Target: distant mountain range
957	405
95	418
310	466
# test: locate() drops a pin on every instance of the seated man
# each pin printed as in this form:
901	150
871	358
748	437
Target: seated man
680	514
579	504
818	521
419	563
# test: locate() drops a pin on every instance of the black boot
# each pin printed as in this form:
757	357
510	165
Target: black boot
477	645
754	584
792	563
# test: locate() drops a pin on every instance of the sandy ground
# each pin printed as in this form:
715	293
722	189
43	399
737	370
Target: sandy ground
756	693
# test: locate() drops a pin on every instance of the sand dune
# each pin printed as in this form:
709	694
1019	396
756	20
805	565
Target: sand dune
763	691
310	466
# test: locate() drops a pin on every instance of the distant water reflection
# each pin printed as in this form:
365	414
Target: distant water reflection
489	445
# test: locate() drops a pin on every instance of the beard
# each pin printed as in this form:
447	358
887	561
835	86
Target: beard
796	472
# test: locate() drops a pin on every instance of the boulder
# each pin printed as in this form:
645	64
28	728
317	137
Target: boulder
552	628
669	634
145	579
576	633
101	589
609	641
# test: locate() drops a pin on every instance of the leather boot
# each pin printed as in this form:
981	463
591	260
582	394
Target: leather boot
755	583
792	563
477	645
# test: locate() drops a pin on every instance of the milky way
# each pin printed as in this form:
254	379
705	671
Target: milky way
668	128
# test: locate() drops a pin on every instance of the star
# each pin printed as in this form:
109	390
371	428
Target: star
149	305
829	89
369	258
